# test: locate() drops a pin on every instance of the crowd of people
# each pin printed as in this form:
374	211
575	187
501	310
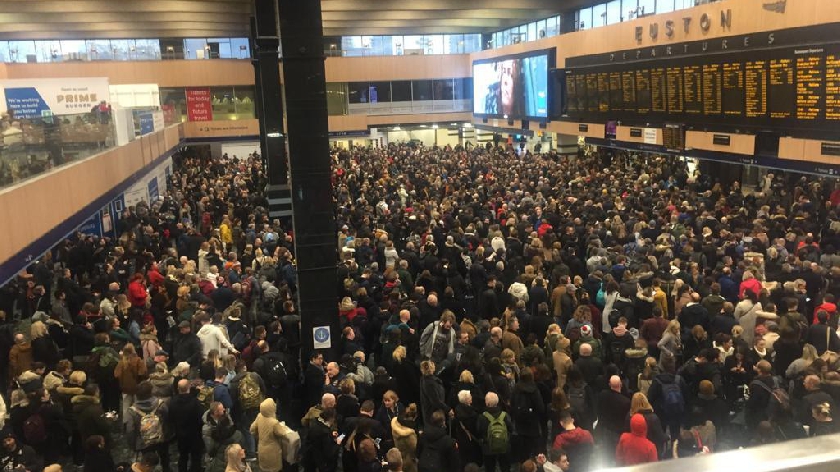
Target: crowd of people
531	312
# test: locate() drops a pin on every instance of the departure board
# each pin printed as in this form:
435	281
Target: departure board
603	92
782	89
832	87
628	84
755	86
712	90
674	87
692	89
732	96
809	86
616	92
592	92
580	89
643	91
658	94
786	88
571	91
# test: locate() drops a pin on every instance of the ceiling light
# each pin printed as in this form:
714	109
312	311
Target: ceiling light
435	126
397	128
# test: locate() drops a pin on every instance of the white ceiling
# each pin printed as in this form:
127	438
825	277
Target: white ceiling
91	19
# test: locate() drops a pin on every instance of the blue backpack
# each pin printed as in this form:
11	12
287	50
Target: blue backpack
601	297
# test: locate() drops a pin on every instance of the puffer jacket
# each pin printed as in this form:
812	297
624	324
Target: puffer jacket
162	384
269	433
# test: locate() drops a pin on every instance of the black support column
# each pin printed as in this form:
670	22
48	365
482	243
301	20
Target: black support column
308	135
266	41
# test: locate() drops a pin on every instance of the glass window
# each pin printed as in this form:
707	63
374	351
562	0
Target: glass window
645	7
219	48
196	48
422	90
239	48
337	99
99	50
121	48
682	4
472	43
413	44
552	26
146	49
222	101
541	29
614	14
532	31
174	104
4	51
663	6
379	92
599	15
434	44
243	101
401	91
585	18
380	45
20	51
73	50
172	49
48	51
505	38
463	89
443	89
358	92
398	45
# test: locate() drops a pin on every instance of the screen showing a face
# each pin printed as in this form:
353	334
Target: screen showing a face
512	87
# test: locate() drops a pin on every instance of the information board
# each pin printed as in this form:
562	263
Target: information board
786	88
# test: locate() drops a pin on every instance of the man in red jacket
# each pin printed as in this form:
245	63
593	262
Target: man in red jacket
634	447
576	441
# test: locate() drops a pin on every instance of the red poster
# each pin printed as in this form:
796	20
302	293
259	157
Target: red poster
199	104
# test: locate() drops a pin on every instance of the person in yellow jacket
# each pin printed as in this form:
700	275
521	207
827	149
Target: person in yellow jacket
226	234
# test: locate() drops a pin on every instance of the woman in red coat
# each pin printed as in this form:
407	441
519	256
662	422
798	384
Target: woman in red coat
634	447
137	291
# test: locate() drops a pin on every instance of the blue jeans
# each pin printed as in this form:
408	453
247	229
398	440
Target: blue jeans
248	417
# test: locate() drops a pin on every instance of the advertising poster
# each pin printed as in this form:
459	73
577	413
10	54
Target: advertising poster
199	104
93	226
30	99
147	124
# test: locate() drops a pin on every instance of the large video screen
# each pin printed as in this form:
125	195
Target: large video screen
515	87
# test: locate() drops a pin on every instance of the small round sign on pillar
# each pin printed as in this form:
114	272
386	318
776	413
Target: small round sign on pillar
322	338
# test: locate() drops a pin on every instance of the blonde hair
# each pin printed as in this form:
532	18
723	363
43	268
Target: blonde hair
37	330
427	368
508	355
673	327
467	377
78	377
639	403
398	354
809	353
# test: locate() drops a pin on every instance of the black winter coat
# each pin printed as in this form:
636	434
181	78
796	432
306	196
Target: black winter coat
436	451
529	410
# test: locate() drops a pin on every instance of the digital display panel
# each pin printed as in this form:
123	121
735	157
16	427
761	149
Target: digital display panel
513	86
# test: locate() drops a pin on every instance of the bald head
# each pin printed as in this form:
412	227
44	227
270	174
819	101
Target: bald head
328	401
615	383
695	297
585	350
183	386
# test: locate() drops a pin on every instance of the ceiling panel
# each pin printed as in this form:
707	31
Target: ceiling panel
73	19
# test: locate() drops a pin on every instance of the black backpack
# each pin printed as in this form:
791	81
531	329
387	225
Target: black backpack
275	373
577	398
